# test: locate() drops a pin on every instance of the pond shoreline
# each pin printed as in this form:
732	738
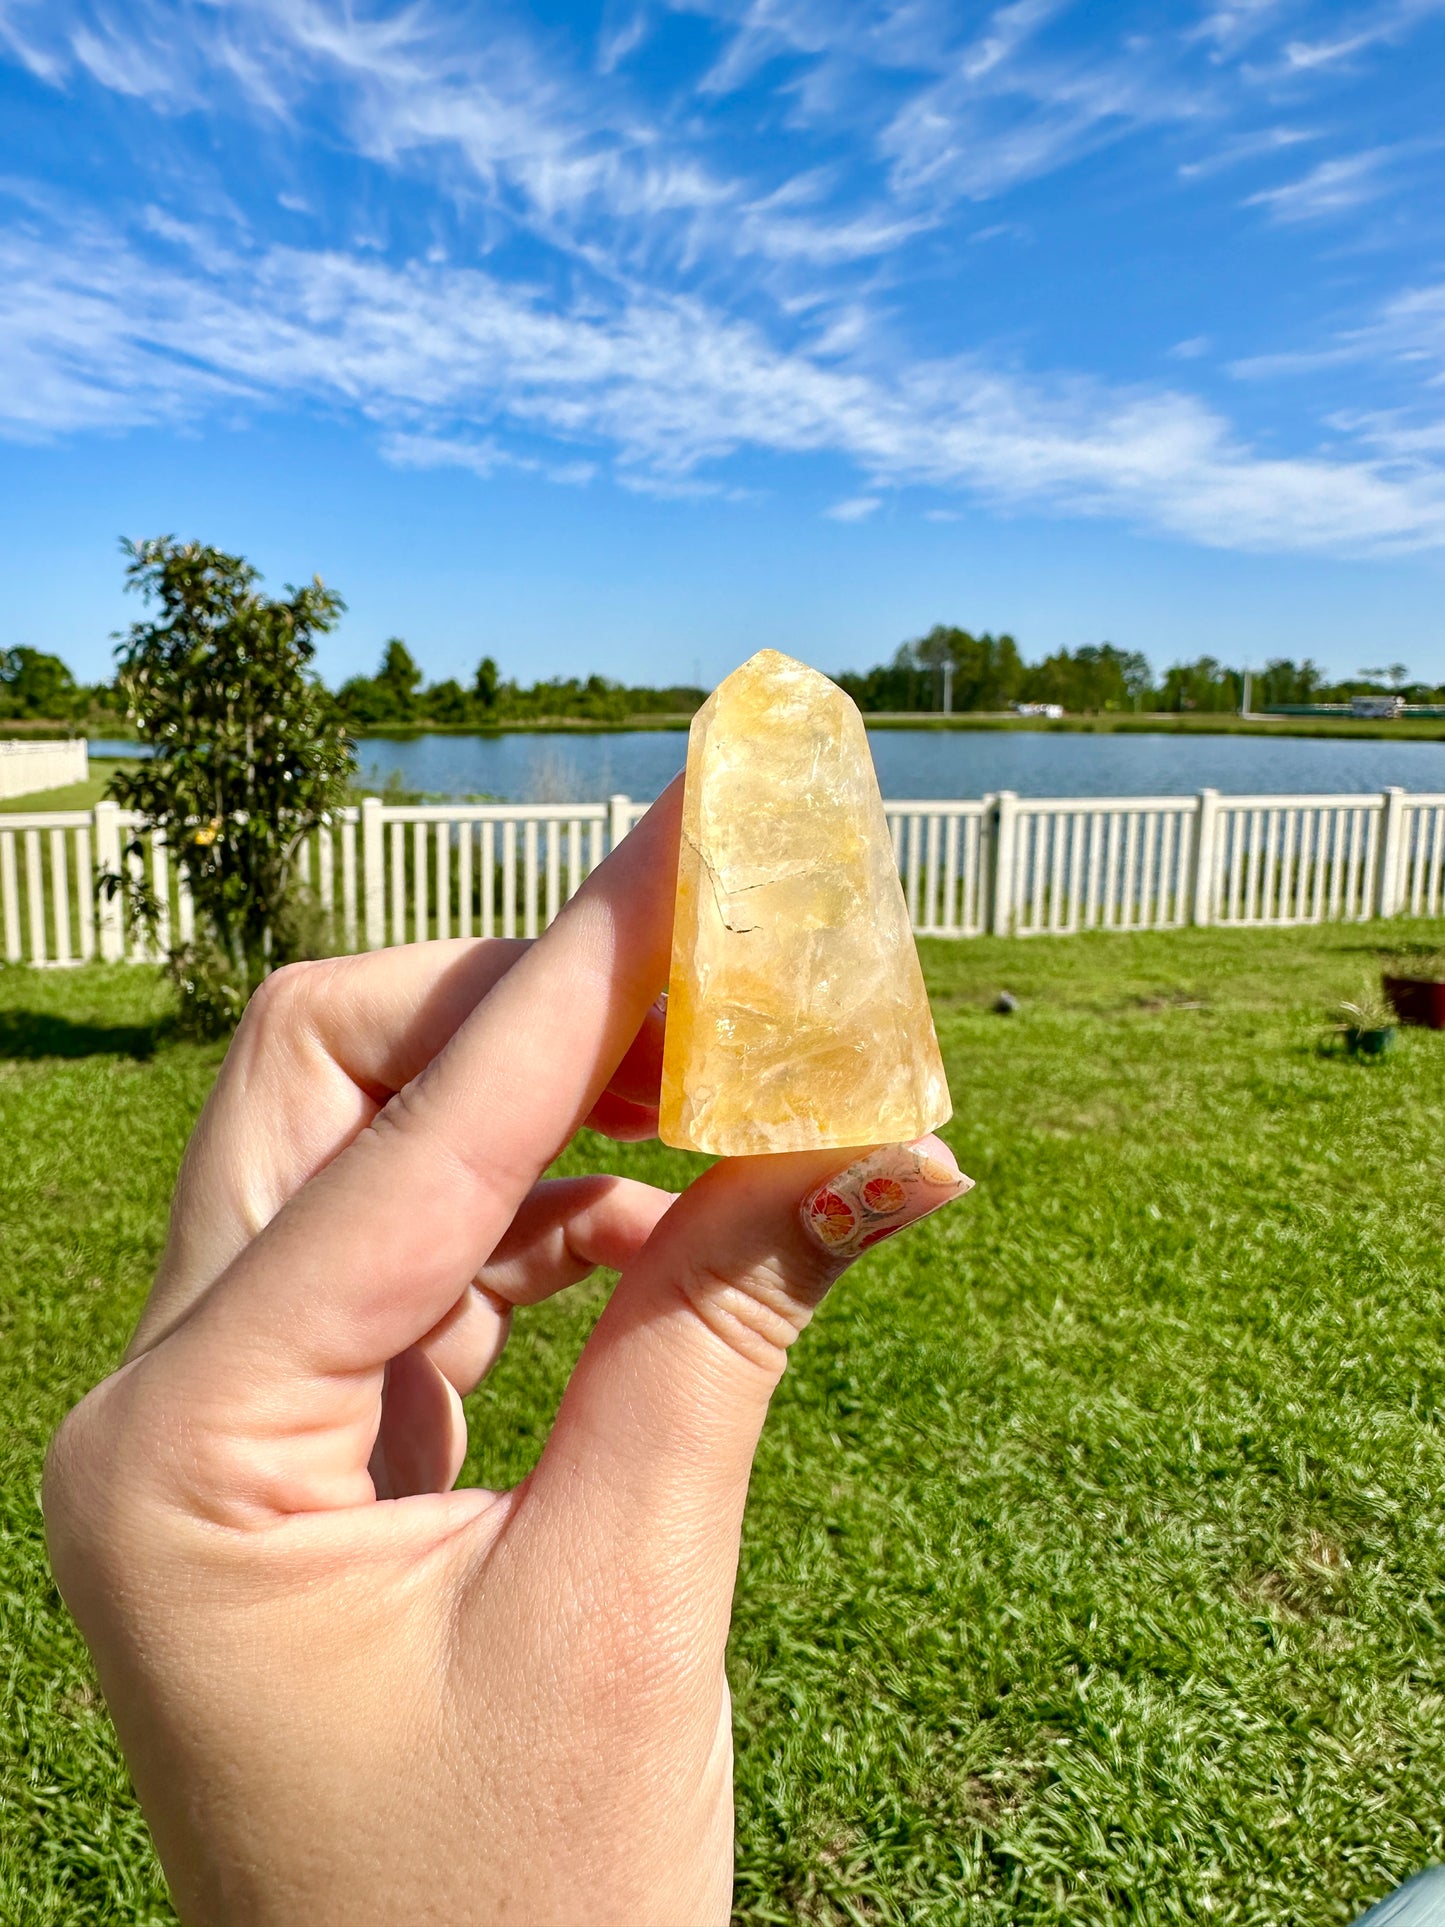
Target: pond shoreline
1164	723
1152	723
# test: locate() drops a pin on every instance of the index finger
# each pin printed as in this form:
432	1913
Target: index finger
320	1050
369	1255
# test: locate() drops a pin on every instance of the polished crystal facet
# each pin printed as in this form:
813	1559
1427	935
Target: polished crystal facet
797	1019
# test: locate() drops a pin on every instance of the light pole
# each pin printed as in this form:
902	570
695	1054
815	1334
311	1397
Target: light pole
948	685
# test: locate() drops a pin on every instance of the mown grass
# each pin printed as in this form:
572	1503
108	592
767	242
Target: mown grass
70	796
1095	1564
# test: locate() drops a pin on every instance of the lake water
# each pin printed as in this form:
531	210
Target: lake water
568	768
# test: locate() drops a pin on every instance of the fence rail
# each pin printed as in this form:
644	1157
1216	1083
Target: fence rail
1008	865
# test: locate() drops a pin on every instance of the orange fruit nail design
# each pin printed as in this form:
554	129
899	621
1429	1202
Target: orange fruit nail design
832	1217
883	1195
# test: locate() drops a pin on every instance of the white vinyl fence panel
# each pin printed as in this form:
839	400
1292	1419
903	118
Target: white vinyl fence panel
31	764
941	851
1008	865
1418	884
1111	863
1299	859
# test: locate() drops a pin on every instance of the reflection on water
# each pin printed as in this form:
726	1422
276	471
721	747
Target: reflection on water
564	767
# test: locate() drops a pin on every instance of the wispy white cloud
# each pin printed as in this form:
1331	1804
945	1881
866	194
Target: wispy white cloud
1230	29
633	341
1333	187
1258	144
448	362
1362	28
1326	53
1007	112
1405	332
120	62
538	140
1002	231
1398	435
573	153
22	35
1003	100
620	38
485	458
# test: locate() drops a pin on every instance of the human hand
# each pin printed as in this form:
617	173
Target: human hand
347	1692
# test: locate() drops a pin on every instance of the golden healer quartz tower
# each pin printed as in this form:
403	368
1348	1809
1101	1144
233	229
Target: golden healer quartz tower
797	1019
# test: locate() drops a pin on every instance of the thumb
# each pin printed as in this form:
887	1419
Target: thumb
655	1438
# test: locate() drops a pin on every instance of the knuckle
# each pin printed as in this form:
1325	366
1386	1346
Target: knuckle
280	1002
757	1313
64	1457
75	1463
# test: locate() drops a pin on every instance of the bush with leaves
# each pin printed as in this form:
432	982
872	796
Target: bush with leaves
249	757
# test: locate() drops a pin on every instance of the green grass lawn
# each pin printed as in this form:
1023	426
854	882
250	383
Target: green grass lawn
71	796
1095	1568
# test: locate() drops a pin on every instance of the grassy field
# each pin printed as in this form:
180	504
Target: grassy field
1095	1569
71	796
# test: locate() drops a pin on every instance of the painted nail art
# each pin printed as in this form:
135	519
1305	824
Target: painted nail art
880	1194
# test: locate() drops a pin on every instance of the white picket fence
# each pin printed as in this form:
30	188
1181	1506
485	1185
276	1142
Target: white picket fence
1010	865
27	765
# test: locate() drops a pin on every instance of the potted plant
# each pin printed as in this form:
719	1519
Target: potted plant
1414	983
1367	1027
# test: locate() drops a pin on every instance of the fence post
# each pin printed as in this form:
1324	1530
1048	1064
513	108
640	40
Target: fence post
1206	834
1005	823
1393	835
372	886
107	863
619	808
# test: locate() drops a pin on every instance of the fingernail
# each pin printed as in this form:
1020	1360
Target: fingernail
880	1194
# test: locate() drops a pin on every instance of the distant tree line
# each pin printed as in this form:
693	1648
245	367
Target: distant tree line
988	673
35	687
398	695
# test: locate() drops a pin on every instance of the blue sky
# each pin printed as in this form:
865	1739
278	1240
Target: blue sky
635	336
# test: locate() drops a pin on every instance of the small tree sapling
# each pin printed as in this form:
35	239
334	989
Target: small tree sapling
249	757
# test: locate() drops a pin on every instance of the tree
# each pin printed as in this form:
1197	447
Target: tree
400	678
34	684
446	702
1096	676
899	685
1207	686
485	685
249	757
1284	682
390	696
365	702
987	670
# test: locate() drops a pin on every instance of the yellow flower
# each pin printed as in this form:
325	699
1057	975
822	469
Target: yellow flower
207	835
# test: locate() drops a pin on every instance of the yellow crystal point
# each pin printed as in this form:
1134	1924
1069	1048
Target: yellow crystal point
797	1019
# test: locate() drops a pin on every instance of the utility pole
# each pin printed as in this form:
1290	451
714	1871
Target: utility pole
1245	705
948	685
